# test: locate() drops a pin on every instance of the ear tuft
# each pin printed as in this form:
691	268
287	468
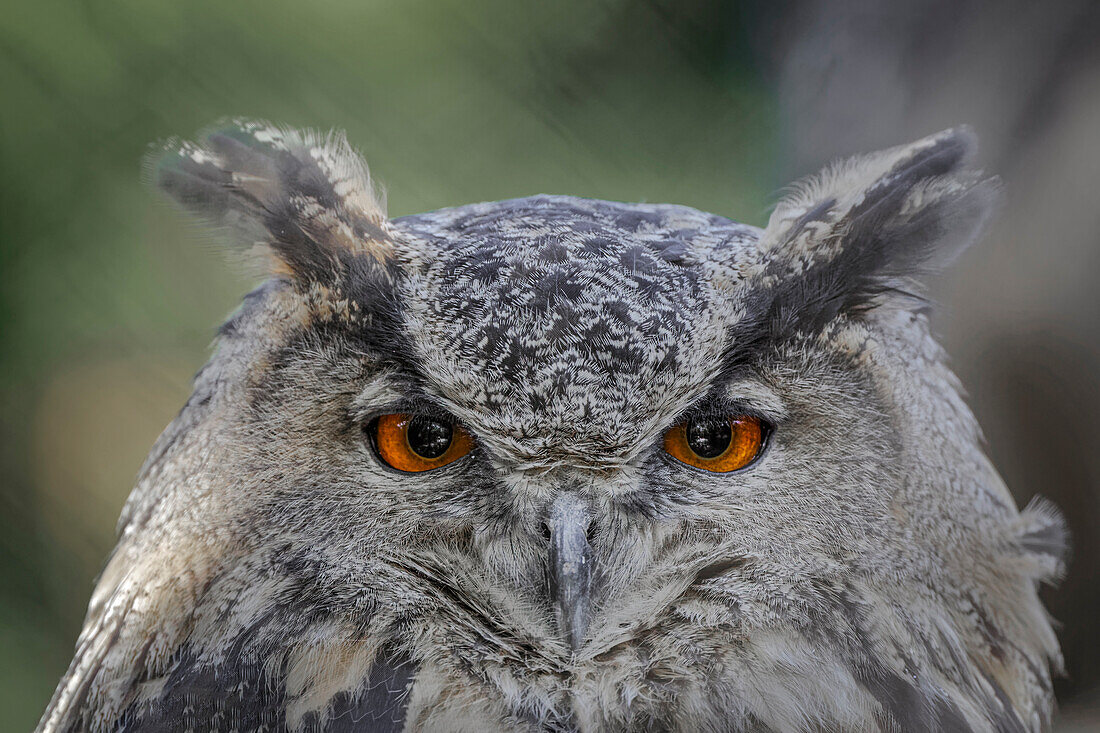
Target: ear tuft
306	197
868	225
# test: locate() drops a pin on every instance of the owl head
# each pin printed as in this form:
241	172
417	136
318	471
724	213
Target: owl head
562	464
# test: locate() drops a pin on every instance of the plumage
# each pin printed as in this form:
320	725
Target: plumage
867	570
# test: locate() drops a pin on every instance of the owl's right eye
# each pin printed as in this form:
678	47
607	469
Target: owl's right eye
415	443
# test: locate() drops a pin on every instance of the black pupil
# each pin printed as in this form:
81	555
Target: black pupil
709	438
429	438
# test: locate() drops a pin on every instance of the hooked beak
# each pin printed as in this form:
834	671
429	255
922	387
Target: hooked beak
570	566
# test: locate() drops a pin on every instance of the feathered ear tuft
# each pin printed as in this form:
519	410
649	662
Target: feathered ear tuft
305	197
867	225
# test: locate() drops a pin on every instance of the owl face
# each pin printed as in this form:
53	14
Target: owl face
570	338
554	463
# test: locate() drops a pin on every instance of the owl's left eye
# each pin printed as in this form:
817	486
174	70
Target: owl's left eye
415	443
718	444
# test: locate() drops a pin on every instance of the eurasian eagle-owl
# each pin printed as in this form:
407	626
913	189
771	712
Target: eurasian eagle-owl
556	464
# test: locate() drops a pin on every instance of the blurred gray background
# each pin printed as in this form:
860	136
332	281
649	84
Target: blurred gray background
108	301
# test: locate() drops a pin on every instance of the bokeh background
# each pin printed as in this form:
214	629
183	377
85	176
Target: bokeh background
109	301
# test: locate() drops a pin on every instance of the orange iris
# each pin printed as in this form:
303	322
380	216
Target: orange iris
721	446
417	443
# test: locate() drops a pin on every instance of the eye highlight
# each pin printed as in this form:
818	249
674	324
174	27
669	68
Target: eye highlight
718	444
415	443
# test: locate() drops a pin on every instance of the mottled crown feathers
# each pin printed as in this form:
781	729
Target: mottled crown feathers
305	198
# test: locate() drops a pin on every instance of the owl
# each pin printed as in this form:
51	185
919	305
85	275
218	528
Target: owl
559	464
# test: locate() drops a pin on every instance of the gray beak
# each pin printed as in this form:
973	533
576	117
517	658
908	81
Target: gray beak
570	566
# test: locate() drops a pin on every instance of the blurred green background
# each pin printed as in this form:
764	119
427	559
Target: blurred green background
109	301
